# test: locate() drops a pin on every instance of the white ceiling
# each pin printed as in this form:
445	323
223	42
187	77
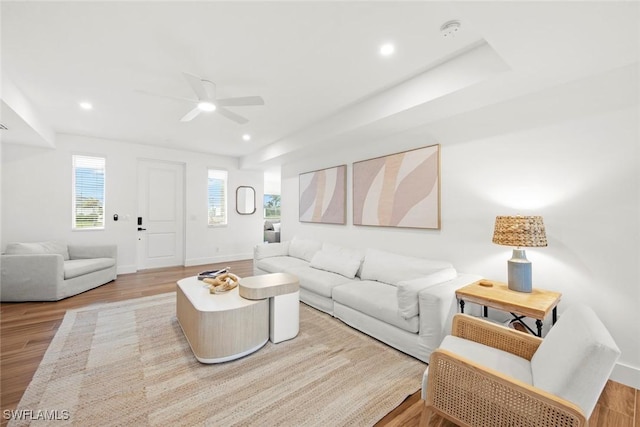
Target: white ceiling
315	64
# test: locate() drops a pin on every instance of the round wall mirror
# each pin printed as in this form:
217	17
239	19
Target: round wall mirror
245	200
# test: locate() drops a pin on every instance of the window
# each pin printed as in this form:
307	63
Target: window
88	192
217	197
272	206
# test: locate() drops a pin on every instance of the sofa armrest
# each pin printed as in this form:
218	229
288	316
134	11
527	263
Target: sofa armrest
270	250
438	305
34	277
461	389
408	290
93	251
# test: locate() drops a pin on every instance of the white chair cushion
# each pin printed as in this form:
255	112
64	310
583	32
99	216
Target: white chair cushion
392	268
80	267
498	360
576	358
408	290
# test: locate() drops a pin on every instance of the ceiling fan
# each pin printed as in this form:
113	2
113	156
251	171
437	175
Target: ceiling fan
206	101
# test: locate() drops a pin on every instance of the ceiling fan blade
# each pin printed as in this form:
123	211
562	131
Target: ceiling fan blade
191	115
176	98
231	115
196	84
240	101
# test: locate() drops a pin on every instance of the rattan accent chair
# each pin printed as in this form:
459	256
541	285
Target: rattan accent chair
485	374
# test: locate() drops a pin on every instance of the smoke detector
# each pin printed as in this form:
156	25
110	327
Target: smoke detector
450	28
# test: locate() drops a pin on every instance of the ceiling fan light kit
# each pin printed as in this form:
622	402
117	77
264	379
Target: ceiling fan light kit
207	102
206	106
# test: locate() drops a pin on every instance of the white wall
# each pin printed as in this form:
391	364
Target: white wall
580	174
36	199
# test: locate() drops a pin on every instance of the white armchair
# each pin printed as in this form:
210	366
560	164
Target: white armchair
488	375
51	271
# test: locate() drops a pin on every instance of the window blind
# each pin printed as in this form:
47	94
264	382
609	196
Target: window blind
88	192
217	197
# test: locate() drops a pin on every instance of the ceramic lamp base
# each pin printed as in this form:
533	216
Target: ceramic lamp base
519	272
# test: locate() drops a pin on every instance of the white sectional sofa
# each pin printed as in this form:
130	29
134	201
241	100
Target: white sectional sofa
405	302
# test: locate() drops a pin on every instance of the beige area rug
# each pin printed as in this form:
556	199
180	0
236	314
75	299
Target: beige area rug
128	363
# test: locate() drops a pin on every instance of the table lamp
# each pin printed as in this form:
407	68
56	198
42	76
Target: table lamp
519	231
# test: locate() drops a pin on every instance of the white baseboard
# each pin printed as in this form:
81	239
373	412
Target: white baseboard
627	375
217	259
127	269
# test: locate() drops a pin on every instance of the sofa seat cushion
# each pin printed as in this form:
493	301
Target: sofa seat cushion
318	281
498	360
79	267
278	264
375	299
38	248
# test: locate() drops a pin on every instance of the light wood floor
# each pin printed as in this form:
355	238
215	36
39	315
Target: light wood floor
26	329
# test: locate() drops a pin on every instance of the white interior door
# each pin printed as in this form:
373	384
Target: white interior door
161	209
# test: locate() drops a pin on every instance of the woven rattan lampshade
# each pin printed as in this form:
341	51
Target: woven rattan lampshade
520	231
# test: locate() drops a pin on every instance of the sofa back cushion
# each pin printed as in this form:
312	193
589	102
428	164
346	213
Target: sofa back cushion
38	248
304	248
576	358
392	268
270	250
334	262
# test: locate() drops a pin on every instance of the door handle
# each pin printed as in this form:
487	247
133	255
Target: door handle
142	229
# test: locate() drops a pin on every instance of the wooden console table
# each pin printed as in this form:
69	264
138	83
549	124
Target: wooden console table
537	304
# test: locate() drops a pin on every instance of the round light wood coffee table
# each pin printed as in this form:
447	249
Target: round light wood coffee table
220	327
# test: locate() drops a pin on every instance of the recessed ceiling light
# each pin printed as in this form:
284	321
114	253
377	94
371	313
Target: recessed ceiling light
387	49
246	137
86	106
206	106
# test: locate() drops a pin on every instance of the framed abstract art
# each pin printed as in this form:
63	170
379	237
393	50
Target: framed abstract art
398	190
323	195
